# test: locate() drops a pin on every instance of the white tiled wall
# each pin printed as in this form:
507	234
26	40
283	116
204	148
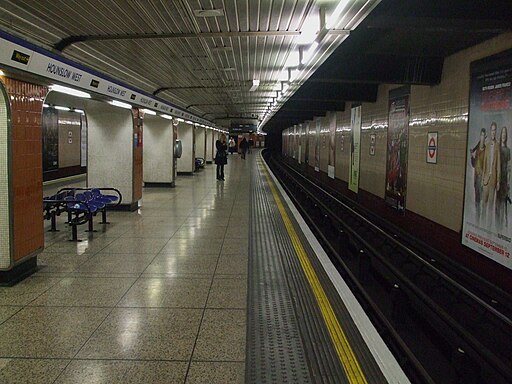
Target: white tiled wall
110	149
158	161
200	142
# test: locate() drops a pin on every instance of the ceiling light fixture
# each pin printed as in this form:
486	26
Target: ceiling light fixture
255	84
209	12
309	53
69	91
335	16
62	108
309	29
2	73
79	111
168	117
149	112
189	122
120	104
180	120
292	60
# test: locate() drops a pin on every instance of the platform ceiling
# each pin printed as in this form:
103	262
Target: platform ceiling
210	65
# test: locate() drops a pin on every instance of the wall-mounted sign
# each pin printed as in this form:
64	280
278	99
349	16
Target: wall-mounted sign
432	147
373	139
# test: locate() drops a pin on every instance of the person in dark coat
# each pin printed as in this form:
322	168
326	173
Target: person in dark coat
221	157
244	146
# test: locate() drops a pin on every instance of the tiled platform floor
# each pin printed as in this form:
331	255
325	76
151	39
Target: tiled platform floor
159	296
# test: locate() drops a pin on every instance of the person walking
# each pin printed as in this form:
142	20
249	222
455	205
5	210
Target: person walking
221	157
244	145
232	145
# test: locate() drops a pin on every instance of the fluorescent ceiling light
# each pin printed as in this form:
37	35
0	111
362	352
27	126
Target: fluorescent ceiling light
255	84
285	87
180	119
70	91
209	12
283	75
310	29
120	104
149	112
166	117
2	73
292	60
46	106
62	108
309	53
189	122
79	111
335	16
294	74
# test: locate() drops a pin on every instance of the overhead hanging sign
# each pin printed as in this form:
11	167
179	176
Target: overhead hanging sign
20	54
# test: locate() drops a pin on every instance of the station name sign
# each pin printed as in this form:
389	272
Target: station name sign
15	54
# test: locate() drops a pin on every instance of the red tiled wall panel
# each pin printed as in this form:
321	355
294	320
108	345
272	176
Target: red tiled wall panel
26	102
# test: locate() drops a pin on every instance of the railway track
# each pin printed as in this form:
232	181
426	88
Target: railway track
444	323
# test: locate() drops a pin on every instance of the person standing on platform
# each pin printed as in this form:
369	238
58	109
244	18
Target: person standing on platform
244	146
221	157
232	145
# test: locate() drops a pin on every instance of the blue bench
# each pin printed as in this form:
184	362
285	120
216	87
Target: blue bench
81	204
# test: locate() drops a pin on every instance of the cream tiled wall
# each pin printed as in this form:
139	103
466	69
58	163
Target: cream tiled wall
434	191
209	145
110	148
158	150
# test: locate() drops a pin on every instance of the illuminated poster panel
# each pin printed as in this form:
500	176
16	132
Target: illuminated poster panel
355	148
299	133
317	144
487	222
398	143
306	151
332	145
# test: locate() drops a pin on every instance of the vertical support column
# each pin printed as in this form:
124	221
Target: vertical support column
200	142
210	143
186	163
137	154
112	147
158	152
21	174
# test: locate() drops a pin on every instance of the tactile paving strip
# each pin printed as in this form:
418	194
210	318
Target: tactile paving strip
275	351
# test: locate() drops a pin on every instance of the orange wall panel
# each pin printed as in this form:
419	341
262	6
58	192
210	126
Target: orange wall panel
26	102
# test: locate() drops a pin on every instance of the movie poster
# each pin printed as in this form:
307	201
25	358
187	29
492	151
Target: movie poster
487	222
317	144
306	151
355	148
332	145
294	141
398	144
299	133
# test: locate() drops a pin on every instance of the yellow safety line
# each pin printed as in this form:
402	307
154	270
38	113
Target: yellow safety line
346	355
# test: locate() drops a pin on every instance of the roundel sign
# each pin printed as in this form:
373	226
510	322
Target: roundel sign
432	147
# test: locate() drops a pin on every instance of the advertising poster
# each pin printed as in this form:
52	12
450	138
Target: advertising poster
295	141
50	139
355	148
332	145
317	145
397	146
306	150
299	133
487	221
